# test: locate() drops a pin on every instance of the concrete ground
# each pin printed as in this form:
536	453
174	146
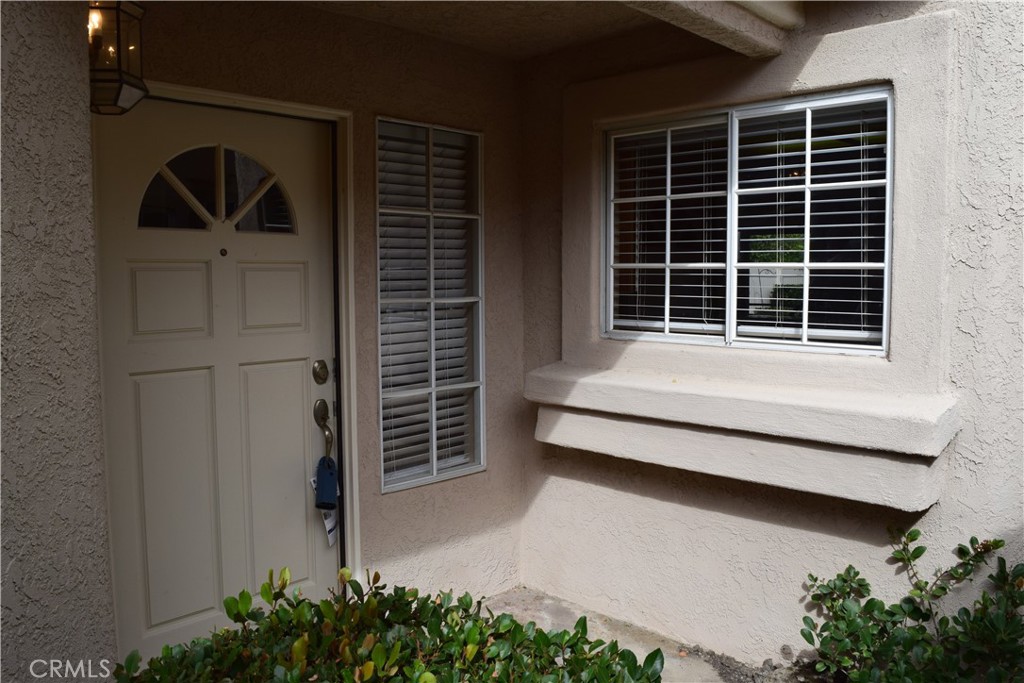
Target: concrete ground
553	614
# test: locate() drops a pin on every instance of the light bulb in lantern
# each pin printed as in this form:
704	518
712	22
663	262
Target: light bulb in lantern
95	27
95	23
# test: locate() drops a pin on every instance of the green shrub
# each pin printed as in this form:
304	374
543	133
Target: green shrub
395	636
861	639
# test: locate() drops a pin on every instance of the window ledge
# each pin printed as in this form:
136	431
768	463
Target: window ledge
884	445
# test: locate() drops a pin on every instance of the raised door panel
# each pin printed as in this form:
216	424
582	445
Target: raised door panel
273	297
170	298
179	494
278	456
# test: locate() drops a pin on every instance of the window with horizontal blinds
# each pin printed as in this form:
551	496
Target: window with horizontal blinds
430	304
764	224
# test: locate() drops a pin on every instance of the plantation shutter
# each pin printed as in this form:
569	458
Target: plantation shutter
430	305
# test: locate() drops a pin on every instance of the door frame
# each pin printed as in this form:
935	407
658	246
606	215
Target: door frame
342	235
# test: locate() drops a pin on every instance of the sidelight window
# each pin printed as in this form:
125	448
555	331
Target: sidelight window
430	303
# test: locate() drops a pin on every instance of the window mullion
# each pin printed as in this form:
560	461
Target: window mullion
887	256
668	230
608	247
732	231
807	228
221	187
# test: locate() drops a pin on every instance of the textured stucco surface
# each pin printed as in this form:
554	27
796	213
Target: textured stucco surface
57	598
463	532
728	558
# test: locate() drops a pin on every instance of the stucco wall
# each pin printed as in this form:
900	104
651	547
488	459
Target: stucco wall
721	562
461	533
57	598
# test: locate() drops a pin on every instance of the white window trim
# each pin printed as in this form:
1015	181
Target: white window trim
733	115
480	383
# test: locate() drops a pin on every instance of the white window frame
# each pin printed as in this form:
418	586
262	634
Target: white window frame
479	385
732	116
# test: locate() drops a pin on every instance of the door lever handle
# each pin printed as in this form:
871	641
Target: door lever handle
320	414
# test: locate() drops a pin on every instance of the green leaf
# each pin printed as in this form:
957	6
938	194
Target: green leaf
379	655
395	651
913	535
267	593
300	649
284	578
918	552
807	635
231	607
244	602
654	663
131	662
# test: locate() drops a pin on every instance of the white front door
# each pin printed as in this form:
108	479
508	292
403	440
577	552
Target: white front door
216	300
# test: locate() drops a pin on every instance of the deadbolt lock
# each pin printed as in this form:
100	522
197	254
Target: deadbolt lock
320	371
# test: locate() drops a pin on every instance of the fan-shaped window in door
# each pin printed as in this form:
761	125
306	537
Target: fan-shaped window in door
208	184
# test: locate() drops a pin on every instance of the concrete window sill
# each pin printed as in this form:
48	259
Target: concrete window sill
879	448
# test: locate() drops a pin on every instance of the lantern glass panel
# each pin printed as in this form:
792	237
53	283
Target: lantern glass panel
102	37
131	45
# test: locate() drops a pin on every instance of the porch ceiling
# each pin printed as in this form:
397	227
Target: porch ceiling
513	30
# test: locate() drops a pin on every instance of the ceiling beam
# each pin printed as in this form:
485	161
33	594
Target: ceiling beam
725	23
785	14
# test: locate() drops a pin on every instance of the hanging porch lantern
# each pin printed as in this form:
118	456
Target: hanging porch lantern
115	56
